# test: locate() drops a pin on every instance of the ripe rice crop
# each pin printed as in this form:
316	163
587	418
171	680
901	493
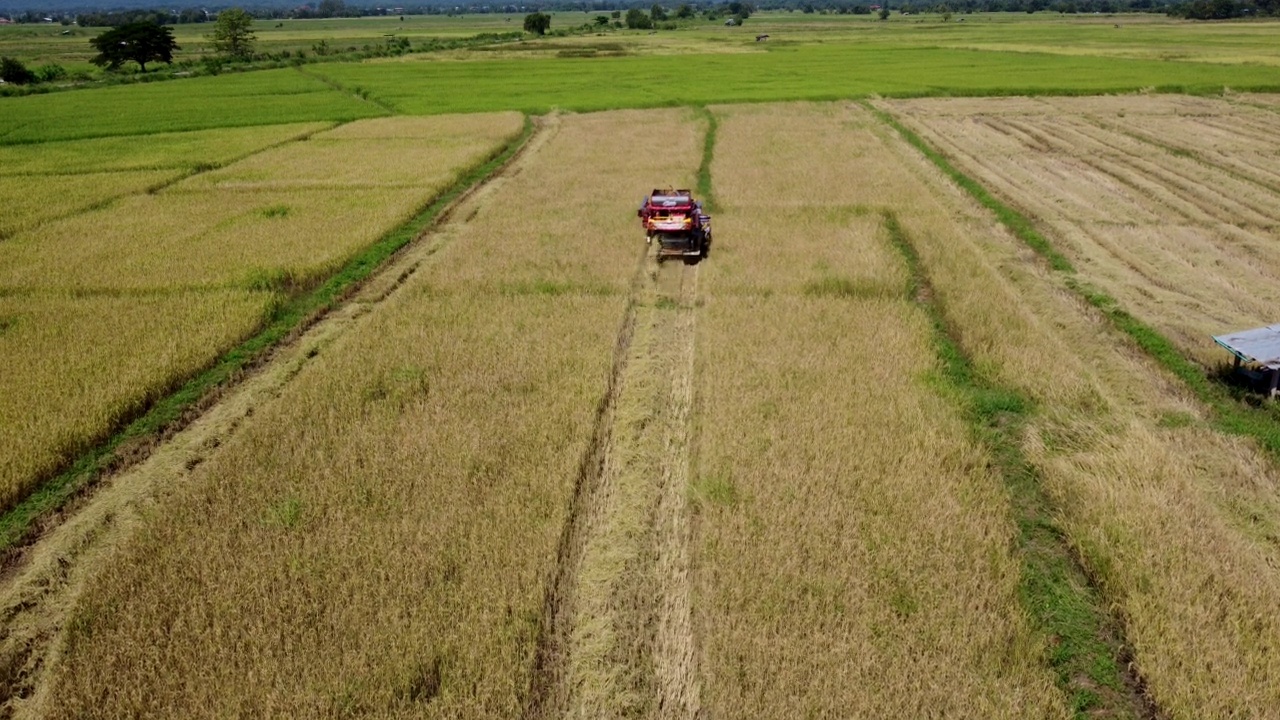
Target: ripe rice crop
179	150
151	252
195	235
29	201
852	545
225	238
1173	520
392	152
379	541
73	365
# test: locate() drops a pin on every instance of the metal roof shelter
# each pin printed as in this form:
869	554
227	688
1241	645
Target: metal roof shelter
1259	345
1260	348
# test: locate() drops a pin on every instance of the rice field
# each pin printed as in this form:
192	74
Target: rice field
1172	519
1167	204
410	471
155	286
873	457
852	546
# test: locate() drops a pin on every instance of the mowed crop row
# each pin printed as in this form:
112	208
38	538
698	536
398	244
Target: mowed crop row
105	310
1174	521
852	545
1171	205
380	540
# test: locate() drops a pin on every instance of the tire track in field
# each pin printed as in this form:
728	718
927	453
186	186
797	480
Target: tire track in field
618	639
41	582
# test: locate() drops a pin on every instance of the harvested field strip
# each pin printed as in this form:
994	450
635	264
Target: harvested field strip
1169	517
1177	182
620	642
381	540
119	444
1223	154
852	544
1190	280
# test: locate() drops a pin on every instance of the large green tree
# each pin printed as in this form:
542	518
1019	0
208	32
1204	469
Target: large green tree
233	33
141	42
537	23
638	20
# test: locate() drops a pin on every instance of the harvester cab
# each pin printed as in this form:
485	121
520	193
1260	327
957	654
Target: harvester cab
678	223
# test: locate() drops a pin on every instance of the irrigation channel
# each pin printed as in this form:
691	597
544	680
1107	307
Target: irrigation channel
618	637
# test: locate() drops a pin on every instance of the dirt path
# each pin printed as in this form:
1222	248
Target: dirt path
620	640
41	586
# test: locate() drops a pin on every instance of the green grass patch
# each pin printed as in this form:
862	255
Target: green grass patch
1058	596
290	315
270	97
708	154
911	67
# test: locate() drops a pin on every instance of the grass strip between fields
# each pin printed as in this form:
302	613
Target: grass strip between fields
1085	650
1235	412
708	154
289	317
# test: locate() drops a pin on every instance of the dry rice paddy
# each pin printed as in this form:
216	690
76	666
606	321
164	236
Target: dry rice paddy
541	476
137	294
1166	203
1173	521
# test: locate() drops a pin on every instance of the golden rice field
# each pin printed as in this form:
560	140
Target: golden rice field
379	539
1176	522
534	473
853	548
104	311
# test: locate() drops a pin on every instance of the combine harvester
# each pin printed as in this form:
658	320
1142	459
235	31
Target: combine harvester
677	221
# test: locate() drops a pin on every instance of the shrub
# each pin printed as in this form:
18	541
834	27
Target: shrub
13	71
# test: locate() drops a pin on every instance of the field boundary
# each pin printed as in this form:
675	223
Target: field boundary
133	438
1086	646
1230	411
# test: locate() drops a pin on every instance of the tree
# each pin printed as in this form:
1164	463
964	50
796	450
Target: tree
13	71
331	8
233	34
602	20
141	42
537	23
637	20
685	11
884	13
657	13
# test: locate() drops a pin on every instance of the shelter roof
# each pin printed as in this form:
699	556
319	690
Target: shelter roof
1259	345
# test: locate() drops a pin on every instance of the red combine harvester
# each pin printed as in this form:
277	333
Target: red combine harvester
677	221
